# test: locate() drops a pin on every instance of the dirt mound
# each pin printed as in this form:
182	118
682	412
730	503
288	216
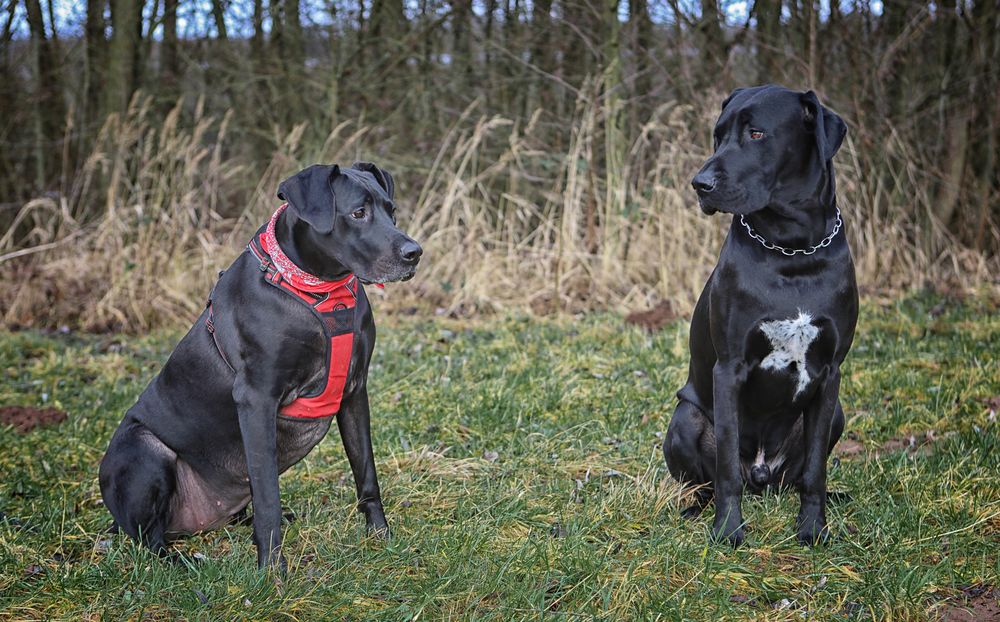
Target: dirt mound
27	418
982	604
653	319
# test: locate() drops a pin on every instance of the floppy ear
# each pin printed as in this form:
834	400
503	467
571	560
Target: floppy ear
829	128
310	194
735	92
382	176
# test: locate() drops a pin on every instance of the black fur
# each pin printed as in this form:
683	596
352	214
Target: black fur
204	439
773	164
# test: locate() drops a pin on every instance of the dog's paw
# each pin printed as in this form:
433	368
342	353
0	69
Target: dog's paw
379	531
729	531
692	511
274	562
702	499
812	530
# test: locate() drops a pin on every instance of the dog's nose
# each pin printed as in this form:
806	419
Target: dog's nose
704	182
410	251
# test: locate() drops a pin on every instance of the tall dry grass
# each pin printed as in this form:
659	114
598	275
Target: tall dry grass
606	222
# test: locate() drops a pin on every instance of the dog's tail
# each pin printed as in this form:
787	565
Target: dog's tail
760	474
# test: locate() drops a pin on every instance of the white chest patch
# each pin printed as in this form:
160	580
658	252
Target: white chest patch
790	341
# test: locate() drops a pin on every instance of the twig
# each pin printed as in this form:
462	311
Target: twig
40	248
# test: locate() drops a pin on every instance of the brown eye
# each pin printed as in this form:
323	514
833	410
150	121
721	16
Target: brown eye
358	213
756	134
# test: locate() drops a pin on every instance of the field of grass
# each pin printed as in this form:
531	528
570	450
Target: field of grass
523	479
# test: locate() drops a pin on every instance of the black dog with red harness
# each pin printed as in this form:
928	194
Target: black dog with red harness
282	349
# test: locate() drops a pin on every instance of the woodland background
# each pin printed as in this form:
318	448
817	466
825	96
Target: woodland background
542	149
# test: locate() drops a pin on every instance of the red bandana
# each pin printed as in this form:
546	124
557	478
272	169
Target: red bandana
289	271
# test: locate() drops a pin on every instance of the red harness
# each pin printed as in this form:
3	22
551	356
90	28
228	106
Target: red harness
332	302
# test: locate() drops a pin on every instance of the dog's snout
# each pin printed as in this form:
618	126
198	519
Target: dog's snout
410	251
704	182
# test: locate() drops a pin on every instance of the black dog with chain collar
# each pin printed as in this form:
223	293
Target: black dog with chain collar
761	406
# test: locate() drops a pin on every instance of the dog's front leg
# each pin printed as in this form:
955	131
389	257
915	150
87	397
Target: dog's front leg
355	430
257	411
728	379
818	419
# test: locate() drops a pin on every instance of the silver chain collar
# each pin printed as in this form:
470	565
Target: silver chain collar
789	252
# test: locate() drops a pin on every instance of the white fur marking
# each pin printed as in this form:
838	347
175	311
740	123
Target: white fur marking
790	341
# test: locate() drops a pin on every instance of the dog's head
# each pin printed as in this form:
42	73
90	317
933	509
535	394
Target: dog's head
772	146
350	222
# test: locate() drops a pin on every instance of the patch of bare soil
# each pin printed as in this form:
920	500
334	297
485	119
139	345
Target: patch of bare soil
27	418
979	603
653	319
849	446
921	444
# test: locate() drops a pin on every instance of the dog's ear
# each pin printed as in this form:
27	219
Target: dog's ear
310	194
726	101
382	176
827	125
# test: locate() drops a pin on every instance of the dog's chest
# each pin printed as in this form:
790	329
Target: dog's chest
788	342
297	437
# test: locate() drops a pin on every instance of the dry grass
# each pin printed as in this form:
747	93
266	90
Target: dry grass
506	219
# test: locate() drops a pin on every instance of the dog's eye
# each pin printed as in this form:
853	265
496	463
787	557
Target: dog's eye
358	213
756	134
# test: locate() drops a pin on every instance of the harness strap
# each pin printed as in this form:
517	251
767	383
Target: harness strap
210	326
334	309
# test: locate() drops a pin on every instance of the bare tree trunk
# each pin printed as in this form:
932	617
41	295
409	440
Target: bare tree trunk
388	29
293	26
896	14
642	32
810	14
712	44
48	105
461	25
986	149
294	63
8	24
54	35
257	39
219	16
769	40
491	9
277	42
94	71
123	61
541	27
171	61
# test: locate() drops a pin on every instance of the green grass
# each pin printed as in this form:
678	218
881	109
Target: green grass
577	518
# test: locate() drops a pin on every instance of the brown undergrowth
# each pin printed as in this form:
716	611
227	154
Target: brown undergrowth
507	219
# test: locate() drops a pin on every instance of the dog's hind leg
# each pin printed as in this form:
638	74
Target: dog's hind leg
138	477
837	426
837	497
689	449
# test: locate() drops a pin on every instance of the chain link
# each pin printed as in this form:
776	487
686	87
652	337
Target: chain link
789	252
